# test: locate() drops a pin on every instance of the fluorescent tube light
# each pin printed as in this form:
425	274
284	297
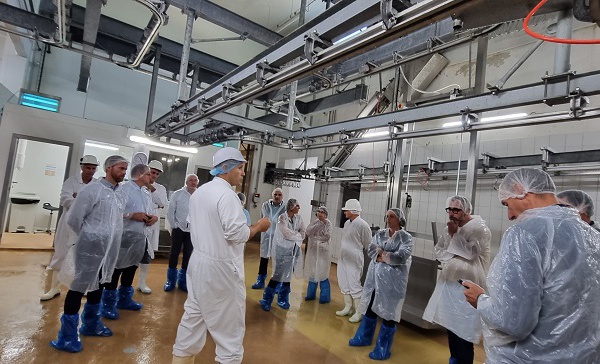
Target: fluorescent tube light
373	134
102	146
138	139
490	118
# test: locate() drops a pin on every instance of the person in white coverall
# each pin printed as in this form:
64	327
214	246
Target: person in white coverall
64	236
543	299
385	286
287	256
356	237
271	209
464	251
582	202
97	219
216	301
158	193
318	262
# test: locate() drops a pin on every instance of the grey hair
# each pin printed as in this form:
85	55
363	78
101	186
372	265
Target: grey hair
190	175
138	170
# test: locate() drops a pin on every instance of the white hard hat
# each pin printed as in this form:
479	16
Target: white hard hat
89	159
352	205
156	165
226	154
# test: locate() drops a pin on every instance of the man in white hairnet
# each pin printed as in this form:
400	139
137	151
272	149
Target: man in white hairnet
580	201
464	251
64	236
97	219
158	193
271	209
216	301
543	299
356	238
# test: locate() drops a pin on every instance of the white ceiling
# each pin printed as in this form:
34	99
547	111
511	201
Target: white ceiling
280	16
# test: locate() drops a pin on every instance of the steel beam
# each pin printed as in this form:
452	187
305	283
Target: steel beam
229	20
93	11
153	83
328	103
44	26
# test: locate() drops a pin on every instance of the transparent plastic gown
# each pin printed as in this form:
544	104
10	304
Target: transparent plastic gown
388	278
133	242
543	299
96	216
318	263
266	239
463	256
287	248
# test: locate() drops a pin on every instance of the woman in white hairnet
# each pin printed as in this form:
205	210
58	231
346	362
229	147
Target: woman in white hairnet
580	201
97	219
318	263
216	301
289	234
385	286
543	299
464	252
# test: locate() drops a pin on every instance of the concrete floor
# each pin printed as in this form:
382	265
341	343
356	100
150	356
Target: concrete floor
307	333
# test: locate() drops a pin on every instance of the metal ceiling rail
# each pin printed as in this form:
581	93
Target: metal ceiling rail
409	20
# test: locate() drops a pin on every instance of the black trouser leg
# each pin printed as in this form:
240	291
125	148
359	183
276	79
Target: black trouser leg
188	248
273	283
127	275
176	243
72	302
372	315
114	282
460	349
262	266
94	297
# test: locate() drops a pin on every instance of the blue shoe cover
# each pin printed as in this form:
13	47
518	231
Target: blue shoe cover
171	278
383	347
260	282
267	300
68	338
91	324
181	280
125	302
109	304
283	297
311	291
325	296
364	334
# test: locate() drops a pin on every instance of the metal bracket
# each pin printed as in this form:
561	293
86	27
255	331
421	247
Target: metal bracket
547	153
261	69
311	42
388	13
467	119
578	102
226	94
203	105
552	79
431	162
486	163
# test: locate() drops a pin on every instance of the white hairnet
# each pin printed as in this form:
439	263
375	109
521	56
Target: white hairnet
400	215
577	199
114	159
323	209
292	202
519	183
277	190
460	202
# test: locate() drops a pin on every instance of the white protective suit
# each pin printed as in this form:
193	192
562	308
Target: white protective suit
96	217
388	279
64	236
159	202
133	242
356	237
287	247
271	211
216	300
464	256
595	226
543	299
318	262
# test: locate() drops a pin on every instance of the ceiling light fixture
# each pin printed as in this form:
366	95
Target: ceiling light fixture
101	146
138	139
373	134
487	119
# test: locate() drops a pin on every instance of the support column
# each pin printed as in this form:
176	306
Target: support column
185	55
562	52
294	85
154	79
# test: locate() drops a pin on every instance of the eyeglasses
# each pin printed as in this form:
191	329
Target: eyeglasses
454	210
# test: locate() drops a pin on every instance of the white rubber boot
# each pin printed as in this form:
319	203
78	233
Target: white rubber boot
357	315
54	288
142	286
183	359
347	310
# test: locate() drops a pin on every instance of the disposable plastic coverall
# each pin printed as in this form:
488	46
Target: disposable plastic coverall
271	211
133	242
96	217
159	202
287	251
543	299
356	237
388	278
65	237
318	262
216	299
463	256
